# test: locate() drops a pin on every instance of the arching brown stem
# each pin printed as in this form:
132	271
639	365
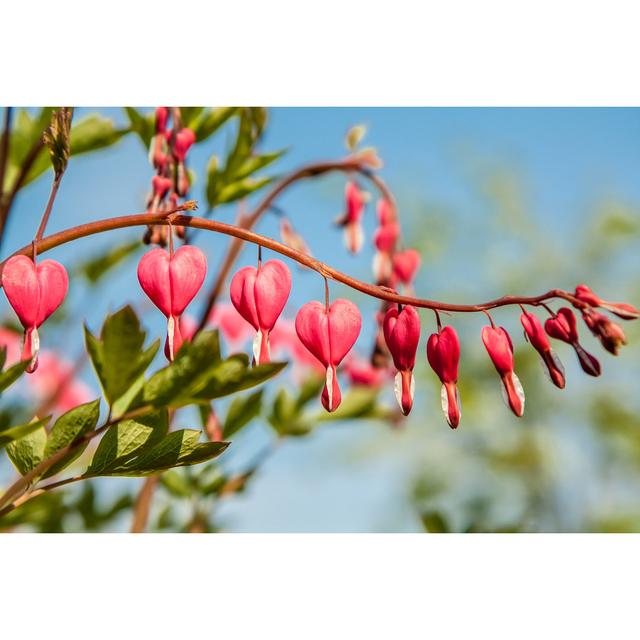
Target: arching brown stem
242	234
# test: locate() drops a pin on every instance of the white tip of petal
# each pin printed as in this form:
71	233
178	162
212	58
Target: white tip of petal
444	403
517	385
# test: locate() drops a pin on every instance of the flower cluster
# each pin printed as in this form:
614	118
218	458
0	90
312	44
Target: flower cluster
167	154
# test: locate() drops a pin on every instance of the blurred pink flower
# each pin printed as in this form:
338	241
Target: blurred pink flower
231	324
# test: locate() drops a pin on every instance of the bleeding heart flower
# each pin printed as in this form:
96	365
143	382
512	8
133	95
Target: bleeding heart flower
405	265
621	309
500	349
534	332
402	333
160	186
259	295
34	292
171	282
443	354
329	335
351	220
226	318
563	327
386	213
608	332
182	143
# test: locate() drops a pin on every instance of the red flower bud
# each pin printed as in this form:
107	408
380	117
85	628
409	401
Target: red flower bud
402	333
171	282
160	186
608	332
329	336
351	220
386	236
34	292
621	309
443	354
500	349
405	265
183	141
162	115
259	295
563	327
386	214
534	332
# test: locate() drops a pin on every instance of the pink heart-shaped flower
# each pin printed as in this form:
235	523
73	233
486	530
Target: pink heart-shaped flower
34	292
172	282
260	295
329	336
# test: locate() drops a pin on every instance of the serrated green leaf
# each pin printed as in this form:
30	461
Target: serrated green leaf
178	449
241	412
186	373
28	452
126	440
234	374
66	429
10	375
16	433
118	356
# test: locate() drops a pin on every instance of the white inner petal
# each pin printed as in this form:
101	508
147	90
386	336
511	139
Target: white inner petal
329	385
257	345
444	402
397	388
519	389
171	327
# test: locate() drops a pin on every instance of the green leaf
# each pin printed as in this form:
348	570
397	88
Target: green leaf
256	162
190	368
209	121
178	449
310	389
142	124
234	374
241	189
213	181
285	416
118	356
176	484
28	452
16	433
98	266
68	428
126	440
92	133
241	412
434	522
10	375
243	144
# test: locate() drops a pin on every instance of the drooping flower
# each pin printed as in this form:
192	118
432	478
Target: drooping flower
351	220
34	292
563	327
259	295
405	266
171	282
161	186
609	333
182	143
329	336
225	317
621	309
500	349
534	332
162	116
402	333
443	354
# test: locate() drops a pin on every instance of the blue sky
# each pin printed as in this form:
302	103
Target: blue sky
570	158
